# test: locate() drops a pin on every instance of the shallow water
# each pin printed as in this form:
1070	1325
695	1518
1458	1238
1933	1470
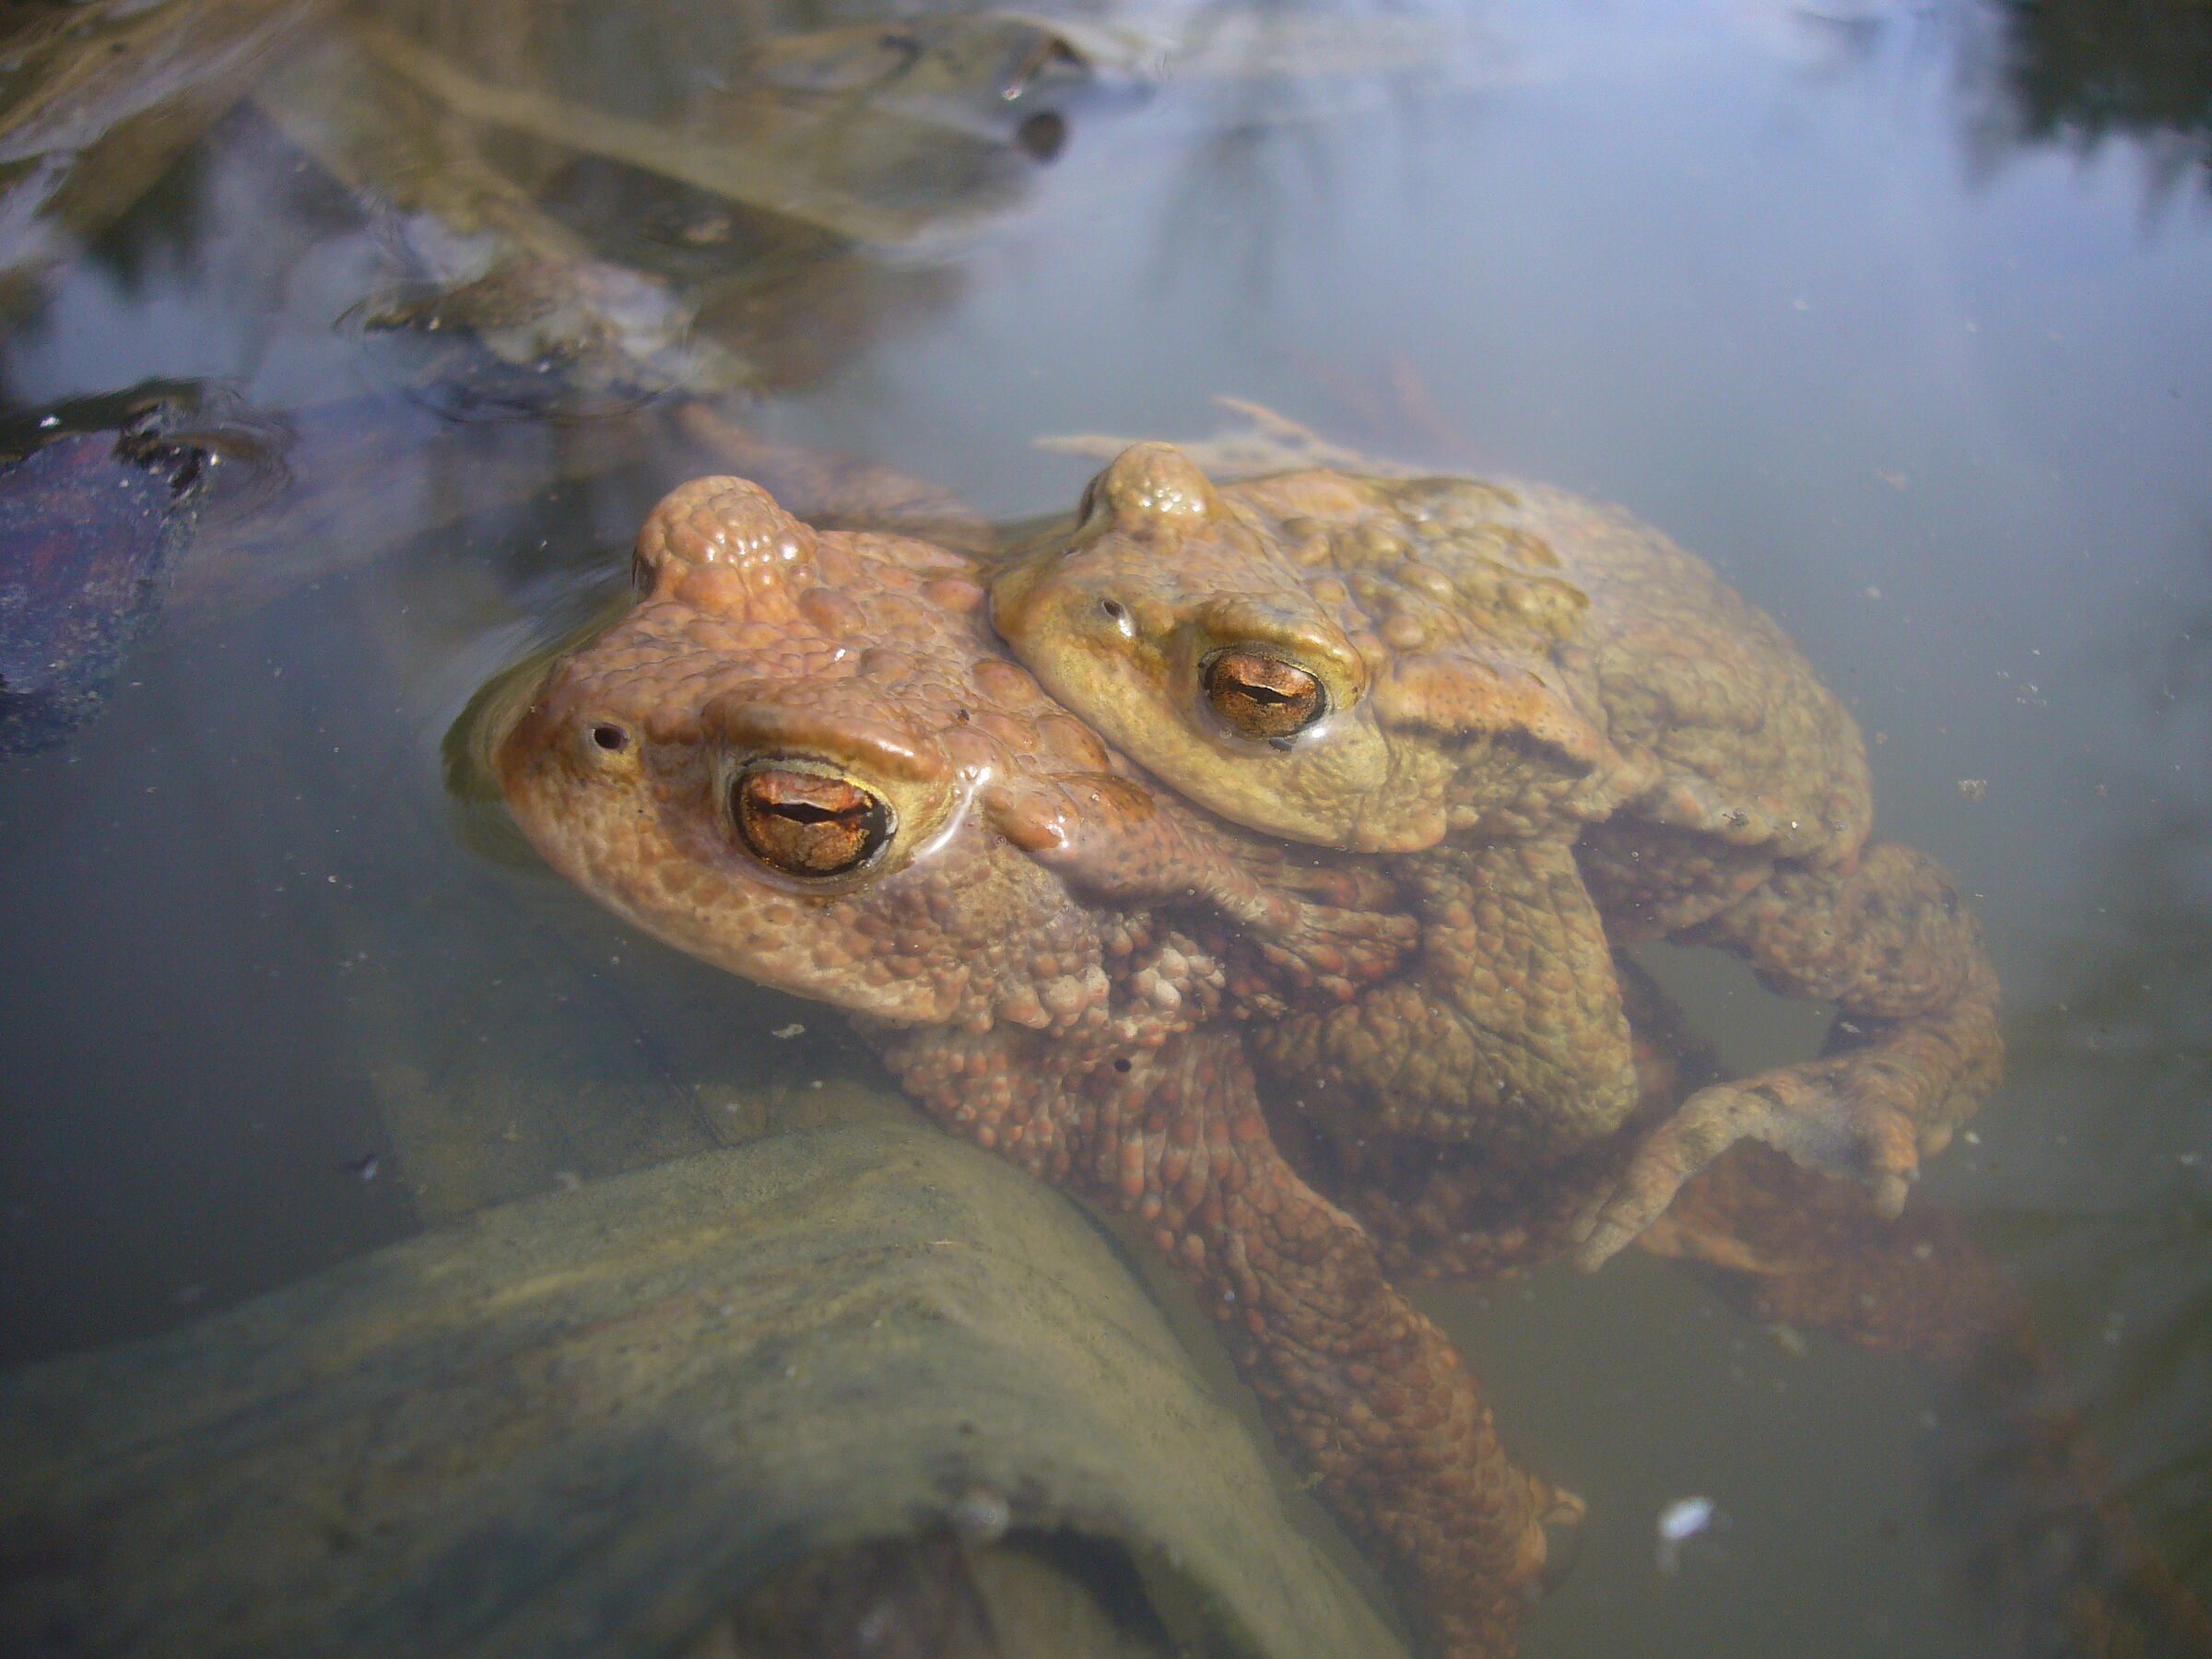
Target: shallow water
1874	307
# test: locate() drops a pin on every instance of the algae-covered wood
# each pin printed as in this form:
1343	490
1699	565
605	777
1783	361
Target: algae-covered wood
583	1424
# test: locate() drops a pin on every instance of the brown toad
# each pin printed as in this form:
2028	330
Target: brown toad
1565	731
804	756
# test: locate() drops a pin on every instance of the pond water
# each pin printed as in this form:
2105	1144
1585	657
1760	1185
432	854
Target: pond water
1896	312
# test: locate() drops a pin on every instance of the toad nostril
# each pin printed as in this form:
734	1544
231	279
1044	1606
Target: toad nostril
1112	607
610	737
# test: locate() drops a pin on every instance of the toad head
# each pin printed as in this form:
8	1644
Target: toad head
1366	705
784	761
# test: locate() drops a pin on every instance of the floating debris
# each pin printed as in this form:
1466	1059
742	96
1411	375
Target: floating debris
1679	1522
981	1515
1791	1341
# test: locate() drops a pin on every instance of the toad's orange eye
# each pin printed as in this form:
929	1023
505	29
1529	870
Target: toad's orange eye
1260	697
803	823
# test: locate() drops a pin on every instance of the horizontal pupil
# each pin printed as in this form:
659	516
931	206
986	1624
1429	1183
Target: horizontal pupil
805	812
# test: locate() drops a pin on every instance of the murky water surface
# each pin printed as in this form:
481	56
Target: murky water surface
1895	313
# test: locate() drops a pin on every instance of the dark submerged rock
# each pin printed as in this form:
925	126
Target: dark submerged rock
91	517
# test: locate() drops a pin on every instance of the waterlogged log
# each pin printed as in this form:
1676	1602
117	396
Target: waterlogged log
593	1422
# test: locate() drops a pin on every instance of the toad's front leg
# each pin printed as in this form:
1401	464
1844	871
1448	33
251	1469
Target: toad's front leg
1351	1375
1316	927
1508	1031
1471	1210
1915	1046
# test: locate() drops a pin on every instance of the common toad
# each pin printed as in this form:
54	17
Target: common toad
804	756
1564	731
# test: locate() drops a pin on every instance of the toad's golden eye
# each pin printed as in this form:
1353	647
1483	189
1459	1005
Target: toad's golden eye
803	823
1262	697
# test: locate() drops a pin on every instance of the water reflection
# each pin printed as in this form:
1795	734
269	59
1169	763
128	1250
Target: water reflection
690	199
2078	72
97	102
1265	86
2128	1266
711	225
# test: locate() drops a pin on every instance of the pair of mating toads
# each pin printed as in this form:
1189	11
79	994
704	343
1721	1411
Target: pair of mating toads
1417	755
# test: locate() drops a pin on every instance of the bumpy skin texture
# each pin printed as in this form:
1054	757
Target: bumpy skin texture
1442	1208
1511	1034
1563	729
1047	955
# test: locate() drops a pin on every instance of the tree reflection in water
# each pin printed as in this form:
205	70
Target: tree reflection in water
2077	72
1263	165
2128	1285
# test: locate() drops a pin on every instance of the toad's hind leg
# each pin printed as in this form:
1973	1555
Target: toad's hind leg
1915	1046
